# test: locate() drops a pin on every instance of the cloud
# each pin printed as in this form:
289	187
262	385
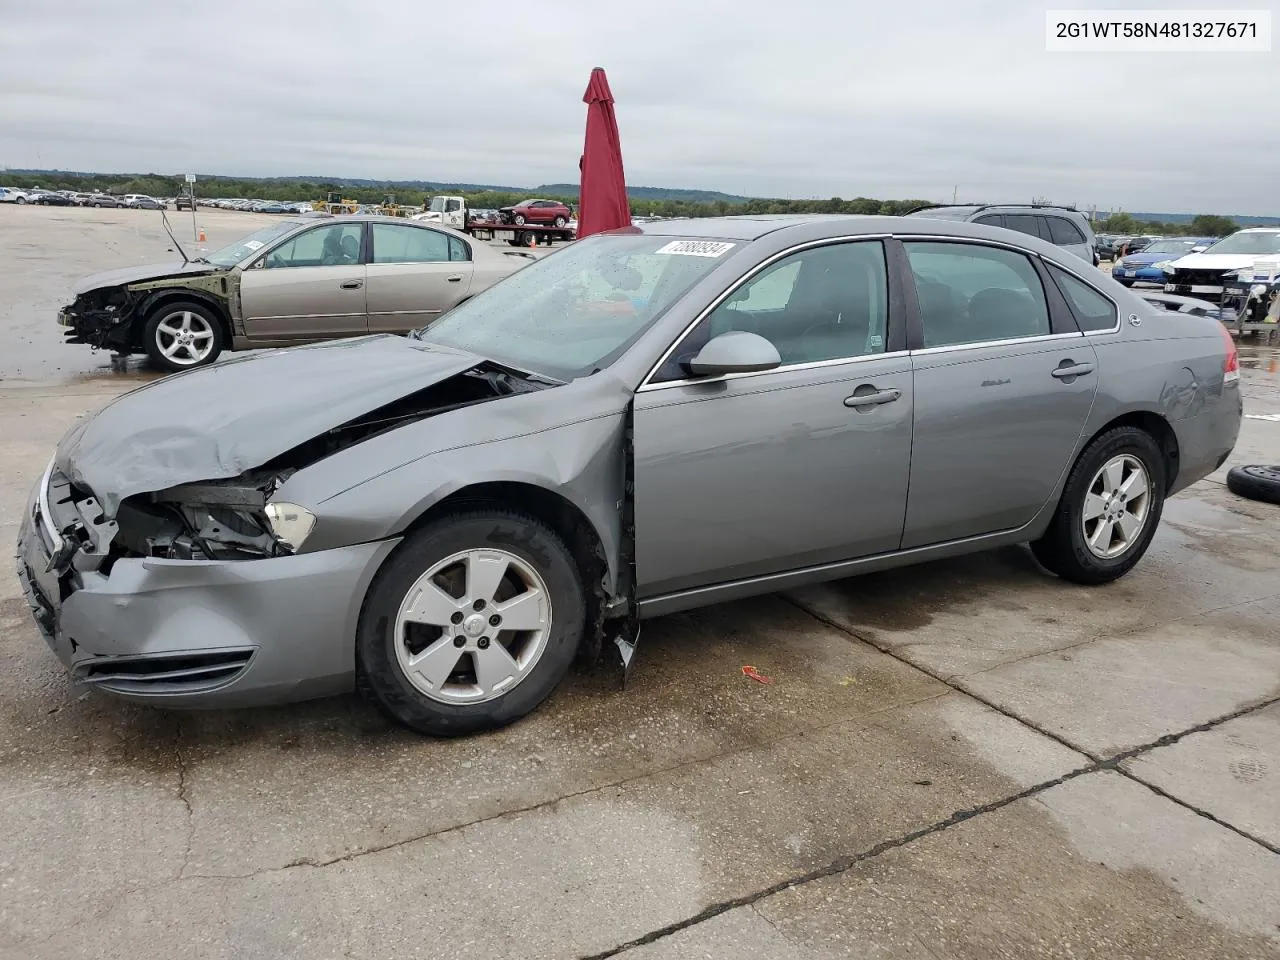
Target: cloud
809	98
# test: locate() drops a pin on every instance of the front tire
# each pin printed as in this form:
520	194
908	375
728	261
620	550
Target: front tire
1109	510
471	624
520	220
21	201
182	336
560	222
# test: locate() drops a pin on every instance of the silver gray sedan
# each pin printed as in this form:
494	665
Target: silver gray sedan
297	281
649	420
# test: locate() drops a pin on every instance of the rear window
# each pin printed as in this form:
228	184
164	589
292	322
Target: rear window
1064	231
1091	309
1022	222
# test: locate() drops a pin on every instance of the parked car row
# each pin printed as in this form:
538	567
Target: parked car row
257	206
71	198
1144	265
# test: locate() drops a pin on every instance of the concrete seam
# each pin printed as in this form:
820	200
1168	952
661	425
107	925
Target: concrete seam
844	864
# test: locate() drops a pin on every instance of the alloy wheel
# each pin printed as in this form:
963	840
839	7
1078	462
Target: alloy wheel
185	338
473	626
1116	506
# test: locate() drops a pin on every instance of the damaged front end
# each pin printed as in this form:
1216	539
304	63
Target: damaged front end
100	318
106	305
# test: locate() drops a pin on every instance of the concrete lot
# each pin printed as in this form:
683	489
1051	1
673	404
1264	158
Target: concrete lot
966	759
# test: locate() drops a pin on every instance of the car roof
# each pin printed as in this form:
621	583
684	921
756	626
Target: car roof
975	207
784	229
743	226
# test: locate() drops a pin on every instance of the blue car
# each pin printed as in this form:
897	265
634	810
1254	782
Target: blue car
1142	267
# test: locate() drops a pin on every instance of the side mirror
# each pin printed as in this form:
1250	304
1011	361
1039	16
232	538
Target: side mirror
1199	249
734	352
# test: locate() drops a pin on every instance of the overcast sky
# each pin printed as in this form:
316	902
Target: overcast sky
804	98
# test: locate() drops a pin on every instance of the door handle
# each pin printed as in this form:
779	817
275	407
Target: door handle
1069	369
872	399
351	284
454	279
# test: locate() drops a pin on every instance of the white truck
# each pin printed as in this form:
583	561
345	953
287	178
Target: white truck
454	212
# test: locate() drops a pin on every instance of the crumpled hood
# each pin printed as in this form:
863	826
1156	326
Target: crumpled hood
138	274
219	421
1217	261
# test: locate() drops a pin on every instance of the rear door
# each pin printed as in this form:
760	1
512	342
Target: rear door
309	287
1004	382
414	275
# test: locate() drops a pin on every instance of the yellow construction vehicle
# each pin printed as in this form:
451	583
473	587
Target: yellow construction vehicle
389	207
336	203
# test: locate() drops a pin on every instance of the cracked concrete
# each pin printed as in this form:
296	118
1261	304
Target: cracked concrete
963	760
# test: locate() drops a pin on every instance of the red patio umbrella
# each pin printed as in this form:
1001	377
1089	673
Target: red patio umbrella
602	197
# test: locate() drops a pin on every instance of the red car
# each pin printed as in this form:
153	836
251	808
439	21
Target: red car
536	211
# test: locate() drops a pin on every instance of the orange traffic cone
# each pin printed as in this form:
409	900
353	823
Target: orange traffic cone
202	238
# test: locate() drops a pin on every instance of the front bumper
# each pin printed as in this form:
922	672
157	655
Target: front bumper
200	633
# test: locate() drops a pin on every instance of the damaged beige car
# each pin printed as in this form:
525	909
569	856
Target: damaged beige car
296	281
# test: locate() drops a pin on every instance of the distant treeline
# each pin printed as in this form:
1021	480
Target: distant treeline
676	205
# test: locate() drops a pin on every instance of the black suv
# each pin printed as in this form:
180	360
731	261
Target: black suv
1066	227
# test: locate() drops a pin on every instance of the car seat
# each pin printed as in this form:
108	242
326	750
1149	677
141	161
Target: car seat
999	314
350	248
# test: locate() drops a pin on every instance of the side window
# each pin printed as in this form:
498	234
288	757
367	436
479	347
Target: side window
970	293
452	206
991	220
1064	231
332	245
1092	310
824	303
393	243
1042	224
458	250
1022	222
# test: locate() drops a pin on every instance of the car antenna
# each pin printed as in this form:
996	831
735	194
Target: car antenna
169	230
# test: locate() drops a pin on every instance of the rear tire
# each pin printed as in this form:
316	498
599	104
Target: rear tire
432	624
1120	480
1126	283
1256	482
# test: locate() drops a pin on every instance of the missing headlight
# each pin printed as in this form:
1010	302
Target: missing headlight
217	520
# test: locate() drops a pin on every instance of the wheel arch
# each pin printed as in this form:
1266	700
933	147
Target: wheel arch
1158	428
159	298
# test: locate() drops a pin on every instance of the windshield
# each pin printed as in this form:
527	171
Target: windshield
437	205
233	253
576	310
1170	246
1246	243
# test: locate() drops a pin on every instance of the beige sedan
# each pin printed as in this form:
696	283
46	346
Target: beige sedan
296	281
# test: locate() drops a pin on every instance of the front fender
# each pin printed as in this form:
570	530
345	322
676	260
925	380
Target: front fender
582	462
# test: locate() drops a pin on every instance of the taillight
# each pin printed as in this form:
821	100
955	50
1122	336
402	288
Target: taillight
1231	365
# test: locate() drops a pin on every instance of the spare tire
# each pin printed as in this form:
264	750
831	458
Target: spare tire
1256	482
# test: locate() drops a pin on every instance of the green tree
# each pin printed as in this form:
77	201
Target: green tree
1212	225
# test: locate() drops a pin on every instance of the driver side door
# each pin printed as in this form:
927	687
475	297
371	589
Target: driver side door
755	474
311	286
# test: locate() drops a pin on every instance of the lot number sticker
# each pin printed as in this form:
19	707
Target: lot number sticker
697	248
